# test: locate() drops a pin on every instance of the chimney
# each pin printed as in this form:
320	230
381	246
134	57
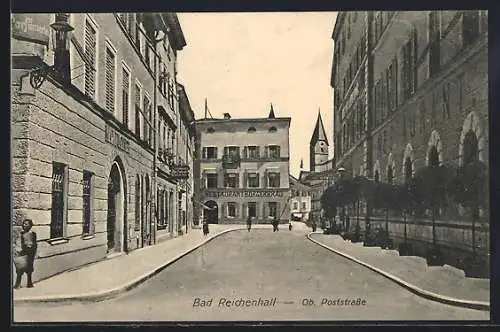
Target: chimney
227	116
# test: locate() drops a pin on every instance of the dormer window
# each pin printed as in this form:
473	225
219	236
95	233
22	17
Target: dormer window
210	130
272	129
252	130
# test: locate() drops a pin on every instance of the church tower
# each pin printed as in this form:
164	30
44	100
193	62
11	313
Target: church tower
318	147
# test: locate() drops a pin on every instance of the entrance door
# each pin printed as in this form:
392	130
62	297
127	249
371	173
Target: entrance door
113	195
211	212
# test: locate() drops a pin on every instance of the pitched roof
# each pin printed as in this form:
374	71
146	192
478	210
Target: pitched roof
319	133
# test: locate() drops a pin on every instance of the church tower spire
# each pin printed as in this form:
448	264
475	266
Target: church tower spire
318	146
271	113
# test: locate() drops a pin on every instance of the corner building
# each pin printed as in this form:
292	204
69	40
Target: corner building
243	169
411	89
83	146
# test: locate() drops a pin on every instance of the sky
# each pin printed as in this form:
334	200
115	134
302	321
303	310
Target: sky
243	62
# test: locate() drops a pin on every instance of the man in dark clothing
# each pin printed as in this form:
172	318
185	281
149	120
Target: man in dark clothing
275	224
28	248
249	223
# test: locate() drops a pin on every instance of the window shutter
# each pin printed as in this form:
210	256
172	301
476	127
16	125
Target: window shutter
125	100
237	210
244	210
90	53
110	79
258	152
245	177
245	152
267	152
226	149
265	180
278	154
204	153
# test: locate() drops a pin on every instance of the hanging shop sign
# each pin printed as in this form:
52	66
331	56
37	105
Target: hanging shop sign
179	172
116	139
246	193
31	27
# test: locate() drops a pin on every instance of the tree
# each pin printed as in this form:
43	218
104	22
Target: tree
428	188
469	187
403	203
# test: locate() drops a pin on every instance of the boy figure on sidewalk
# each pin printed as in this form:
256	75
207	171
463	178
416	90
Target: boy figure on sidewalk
28	248
249	223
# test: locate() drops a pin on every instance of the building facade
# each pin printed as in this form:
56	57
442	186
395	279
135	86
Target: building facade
83	132
300	201
410	90
243	167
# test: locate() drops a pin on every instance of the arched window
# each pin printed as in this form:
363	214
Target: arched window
471	149
408	170
252	130
433	157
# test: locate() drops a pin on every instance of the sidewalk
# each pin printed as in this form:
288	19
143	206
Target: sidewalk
442	283
111	276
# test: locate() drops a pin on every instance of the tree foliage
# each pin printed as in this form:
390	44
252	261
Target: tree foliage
469	185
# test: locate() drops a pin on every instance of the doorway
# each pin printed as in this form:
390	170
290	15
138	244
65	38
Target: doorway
116	211
211	212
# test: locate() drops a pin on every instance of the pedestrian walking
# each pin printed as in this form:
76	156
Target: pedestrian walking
205	228
249	223
275	224
289	226
25	259
313	226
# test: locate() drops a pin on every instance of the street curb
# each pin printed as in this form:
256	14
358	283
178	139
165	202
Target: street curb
478	305
110	293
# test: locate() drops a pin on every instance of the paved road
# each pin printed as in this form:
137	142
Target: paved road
283	265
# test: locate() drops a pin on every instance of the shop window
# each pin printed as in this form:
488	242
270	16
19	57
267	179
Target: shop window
252	209
272	209
231	209
295	205
87	202
253	180
59	192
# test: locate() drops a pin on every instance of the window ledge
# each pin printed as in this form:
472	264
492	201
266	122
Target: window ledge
56	241
88	236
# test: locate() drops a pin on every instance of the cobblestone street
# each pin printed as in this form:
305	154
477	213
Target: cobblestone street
260	264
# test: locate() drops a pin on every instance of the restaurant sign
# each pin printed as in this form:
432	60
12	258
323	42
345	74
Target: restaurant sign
179	172
31	27
117	140
246	193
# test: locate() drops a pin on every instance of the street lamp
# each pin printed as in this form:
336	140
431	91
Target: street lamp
60	43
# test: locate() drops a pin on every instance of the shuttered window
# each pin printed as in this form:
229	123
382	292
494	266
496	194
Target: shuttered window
137	110
110	81
125	96
146	108
90	53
